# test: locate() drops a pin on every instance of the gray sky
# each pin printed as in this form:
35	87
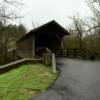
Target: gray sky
42	11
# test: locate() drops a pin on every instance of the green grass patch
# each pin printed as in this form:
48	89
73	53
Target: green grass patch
25	81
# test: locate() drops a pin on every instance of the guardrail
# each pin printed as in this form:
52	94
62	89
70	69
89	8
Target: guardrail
16	64
76	53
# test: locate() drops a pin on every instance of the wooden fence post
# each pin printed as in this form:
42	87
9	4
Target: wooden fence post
54	63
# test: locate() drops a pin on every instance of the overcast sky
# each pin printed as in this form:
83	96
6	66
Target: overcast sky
42	11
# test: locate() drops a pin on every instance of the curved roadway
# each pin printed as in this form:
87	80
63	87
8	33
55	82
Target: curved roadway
79	80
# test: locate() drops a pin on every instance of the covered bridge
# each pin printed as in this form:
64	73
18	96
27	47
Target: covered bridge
48	35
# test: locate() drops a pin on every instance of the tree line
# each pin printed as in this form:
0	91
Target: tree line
85	33
9	33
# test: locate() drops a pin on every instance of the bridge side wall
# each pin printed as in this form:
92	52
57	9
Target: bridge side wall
25	48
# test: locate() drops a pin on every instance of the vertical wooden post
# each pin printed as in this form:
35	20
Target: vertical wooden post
33	47
54	63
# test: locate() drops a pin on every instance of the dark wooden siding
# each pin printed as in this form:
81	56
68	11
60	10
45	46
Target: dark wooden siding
48	39
3	60
48	35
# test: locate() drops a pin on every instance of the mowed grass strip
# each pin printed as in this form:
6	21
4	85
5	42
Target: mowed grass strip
24	82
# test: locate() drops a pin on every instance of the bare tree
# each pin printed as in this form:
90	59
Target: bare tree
35	25
5	17
94	5
5	14
78	28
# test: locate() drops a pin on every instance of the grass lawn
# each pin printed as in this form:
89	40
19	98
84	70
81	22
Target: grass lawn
25	81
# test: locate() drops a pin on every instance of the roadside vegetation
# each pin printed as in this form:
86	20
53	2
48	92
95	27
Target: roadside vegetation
26	81
85	32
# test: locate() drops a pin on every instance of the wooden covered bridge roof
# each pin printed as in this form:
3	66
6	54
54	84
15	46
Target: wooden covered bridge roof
51	27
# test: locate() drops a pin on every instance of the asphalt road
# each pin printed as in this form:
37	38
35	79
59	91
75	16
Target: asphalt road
79	80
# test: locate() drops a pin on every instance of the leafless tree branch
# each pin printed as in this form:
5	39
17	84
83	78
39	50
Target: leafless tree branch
92	28
14	3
